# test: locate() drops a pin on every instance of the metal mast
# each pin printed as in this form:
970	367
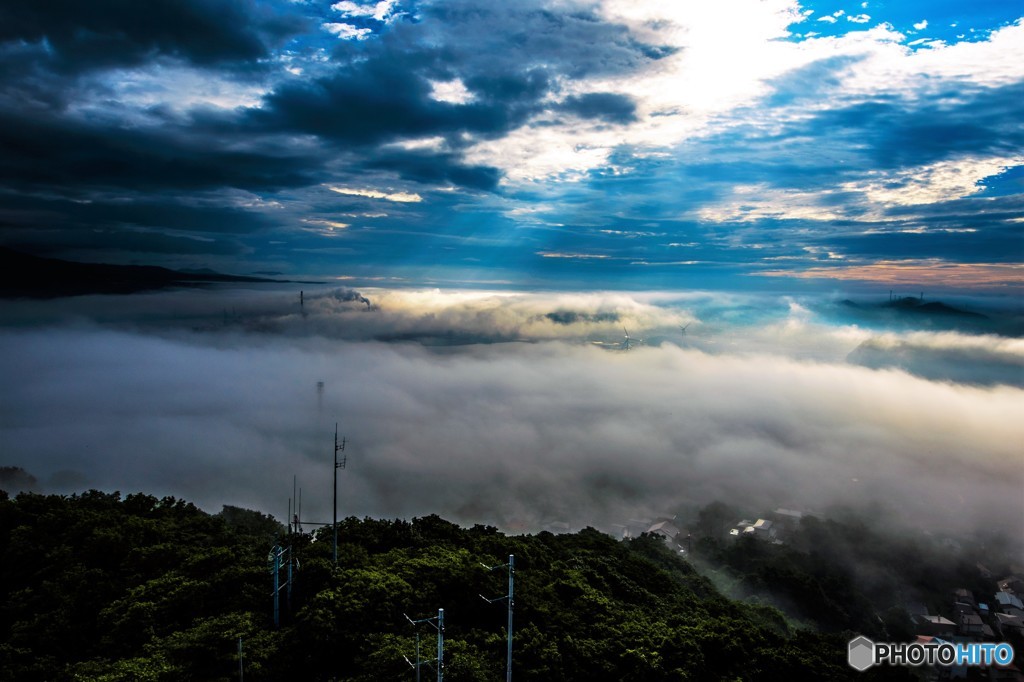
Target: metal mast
510	597
438	623
274	559
338	447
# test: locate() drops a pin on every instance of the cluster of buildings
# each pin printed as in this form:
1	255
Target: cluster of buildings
999	619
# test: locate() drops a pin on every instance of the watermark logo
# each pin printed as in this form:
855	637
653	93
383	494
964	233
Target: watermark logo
863	653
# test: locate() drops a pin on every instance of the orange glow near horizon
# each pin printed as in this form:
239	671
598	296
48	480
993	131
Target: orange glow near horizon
918	272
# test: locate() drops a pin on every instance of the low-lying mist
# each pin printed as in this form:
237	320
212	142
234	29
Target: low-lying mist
514	410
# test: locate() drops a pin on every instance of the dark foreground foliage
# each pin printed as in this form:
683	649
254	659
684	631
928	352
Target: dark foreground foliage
100	587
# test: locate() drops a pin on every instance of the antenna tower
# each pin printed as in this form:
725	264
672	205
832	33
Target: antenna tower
338	447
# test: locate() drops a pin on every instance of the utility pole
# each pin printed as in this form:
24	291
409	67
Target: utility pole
274	559
338	447
438	623
240	672
510	597
418	663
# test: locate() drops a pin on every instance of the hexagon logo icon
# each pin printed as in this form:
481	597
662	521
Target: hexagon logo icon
861	655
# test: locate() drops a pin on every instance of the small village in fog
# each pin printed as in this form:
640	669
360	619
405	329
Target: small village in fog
995	614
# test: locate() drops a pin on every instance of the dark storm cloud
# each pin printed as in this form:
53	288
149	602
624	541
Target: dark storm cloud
373	103
897	133
847	139
574	42
383	91
127	166
73	37
436	169
992	245
61	243
61	152
606	106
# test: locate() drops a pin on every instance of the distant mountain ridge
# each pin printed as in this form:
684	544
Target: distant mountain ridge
910	304
26	276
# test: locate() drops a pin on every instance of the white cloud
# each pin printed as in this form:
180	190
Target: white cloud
401	197
435	143
755	202
347	31
921	25
573	256
325	228
729	56
932	183
452	92
858	18
379	11
173	87
827	18
918	186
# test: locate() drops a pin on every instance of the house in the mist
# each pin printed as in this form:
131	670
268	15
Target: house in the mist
965	596
1008	600
762	529
738	530
971	625
666	529
787	519
964	609
1009	625
765	529
935	626
1013	584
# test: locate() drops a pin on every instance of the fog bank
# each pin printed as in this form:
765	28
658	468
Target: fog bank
516	434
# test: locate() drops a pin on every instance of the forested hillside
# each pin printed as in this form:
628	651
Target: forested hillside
100	587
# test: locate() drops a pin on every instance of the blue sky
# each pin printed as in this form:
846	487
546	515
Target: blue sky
608	144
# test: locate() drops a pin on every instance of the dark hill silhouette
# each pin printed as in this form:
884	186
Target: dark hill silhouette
912	306
917	305
26	276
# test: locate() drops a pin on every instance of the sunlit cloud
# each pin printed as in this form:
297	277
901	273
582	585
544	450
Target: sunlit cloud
452	92
347	31
400	197
573	256
753	203
376	10
934	183
933	273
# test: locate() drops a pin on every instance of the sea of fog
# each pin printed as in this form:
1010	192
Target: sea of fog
515	409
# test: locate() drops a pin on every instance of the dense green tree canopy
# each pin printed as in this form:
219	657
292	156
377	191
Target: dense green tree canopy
103	587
